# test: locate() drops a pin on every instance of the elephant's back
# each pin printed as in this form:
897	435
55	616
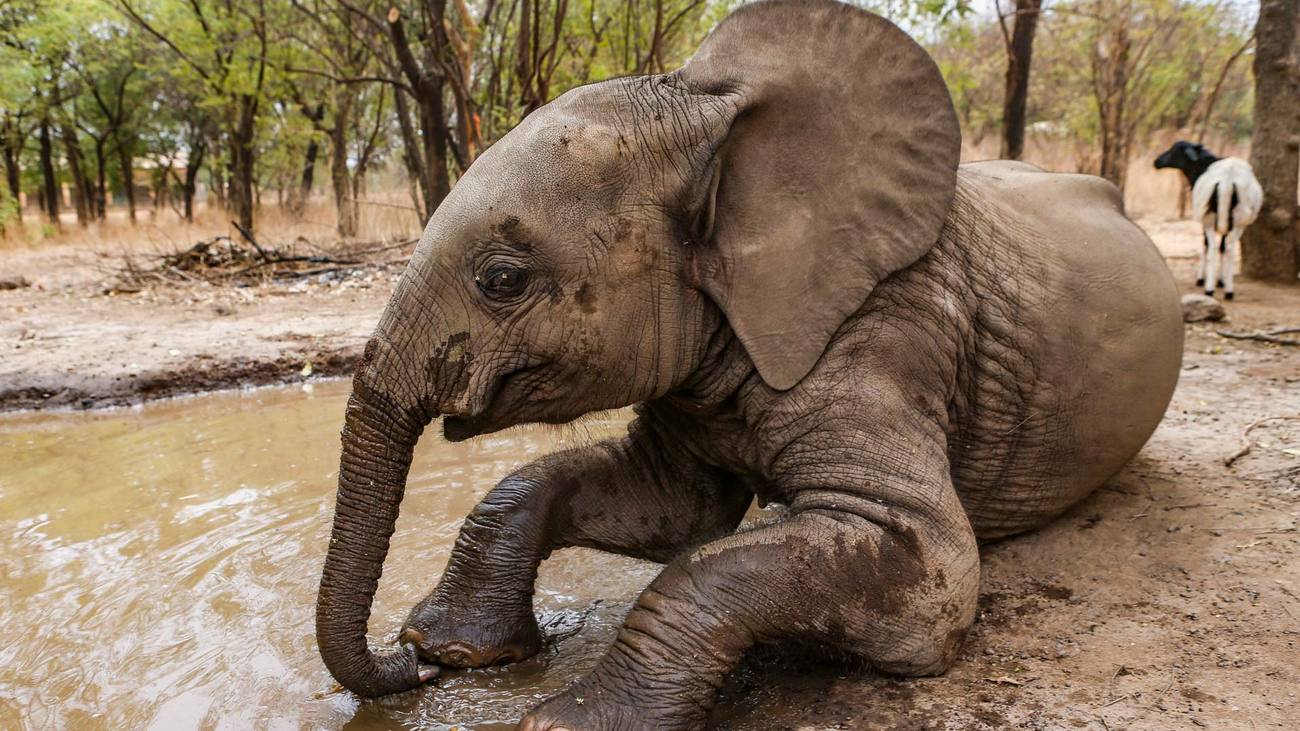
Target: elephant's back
1076	342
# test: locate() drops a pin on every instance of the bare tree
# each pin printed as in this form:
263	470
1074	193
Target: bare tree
1128	39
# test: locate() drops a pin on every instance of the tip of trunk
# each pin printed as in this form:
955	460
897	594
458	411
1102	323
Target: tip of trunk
368	673
378	440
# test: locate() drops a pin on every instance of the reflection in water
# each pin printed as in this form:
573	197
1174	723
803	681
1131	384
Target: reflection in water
160	568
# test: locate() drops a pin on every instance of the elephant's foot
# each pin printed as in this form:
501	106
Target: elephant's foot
589	707
634	687
469	639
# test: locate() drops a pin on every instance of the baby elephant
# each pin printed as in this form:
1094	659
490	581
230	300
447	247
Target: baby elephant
774	254
1227	197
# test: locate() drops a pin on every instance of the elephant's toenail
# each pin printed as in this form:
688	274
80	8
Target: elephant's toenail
458	655
411	636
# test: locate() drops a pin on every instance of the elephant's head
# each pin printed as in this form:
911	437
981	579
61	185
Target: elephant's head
583	262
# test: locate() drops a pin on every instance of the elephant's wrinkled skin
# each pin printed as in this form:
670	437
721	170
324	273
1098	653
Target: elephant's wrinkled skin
773	253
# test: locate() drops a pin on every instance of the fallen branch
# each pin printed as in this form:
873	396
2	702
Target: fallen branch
1264	336
352	266
314	259
387	205
248	236
399	244
1246	444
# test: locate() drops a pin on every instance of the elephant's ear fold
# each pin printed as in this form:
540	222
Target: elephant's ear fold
838	169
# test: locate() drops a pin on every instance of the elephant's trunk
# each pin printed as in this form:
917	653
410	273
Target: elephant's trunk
378	439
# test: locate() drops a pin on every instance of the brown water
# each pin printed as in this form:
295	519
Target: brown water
160	566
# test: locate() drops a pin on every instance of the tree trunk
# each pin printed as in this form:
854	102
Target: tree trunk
436	139
242	158
162	194
1111	61
195	162
524	70
12	149
1270	248
308	176
1019	56
49	179
339	179
428	83
126	165
13	173
82	195
299	200
101	181
411	155
217	180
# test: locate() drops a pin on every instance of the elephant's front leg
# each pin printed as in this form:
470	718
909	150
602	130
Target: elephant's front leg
894	583
629	496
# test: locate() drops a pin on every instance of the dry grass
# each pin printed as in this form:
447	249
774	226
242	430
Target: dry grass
389	215
383	216
1147	192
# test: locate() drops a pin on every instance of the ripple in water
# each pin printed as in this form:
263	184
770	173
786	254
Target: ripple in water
160	568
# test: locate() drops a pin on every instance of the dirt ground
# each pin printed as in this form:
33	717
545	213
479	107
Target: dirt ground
69	340
1170	599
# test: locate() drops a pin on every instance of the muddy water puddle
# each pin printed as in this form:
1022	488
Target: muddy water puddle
158	568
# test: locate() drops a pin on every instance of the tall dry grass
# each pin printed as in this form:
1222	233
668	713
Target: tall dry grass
382	216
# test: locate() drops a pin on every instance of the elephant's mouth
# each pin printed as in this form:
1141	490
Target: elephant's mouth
494	416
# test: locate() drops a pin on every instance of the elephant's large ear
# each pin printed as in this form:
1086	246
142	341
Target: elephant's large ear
837	170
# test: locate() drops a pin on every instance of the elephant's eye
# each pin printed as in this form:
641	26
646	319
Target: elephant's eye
502	280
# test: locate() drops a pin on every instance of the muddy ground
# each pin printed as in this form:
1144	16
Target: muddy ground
1170	599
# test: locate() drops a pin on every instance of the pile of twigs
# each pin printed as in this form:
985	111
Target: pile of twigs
223	260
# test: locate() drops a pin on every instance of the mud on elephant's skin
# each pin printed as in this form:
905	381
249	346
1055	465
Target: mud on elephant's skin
774	254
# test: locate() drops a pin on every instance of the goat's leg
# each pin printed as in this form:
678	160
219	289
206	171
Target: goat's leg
1211	263
1205	255
1231	243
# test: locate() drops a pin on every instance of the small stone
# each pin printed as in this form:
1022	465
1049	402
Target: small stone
14	282
1199	308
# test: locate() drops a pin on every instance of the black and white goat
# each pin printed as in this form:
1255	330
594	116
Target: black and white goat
1227	196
